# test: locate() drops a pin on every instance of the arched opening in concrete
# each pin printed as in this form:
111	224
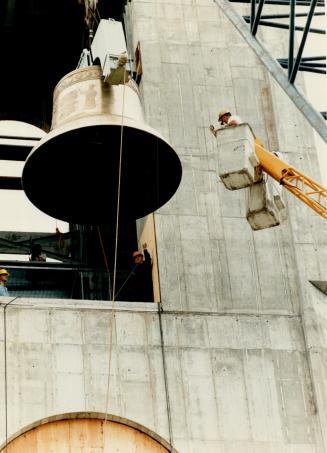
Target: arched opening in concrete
80	432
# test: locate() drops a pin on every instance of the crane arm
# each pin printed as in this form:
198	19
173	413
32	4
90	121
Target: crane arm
303	187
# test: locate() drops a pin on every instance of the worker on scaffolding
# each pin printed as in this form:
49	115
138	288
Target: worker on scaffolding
226	119
4	275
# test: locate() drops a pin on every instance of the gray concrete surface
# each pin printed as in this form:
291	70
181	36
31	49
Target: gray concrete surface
233	380
244	331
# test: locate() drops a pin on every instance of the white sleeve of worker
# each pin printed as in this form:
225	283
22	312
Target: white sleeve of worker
235	118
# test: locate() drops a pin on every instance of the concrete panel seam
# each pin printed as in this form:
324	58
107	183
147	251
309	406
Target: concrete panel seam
262	314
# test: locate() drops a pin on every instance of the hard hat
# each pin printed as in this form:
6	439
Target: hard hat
4	272
137	253
222	113
122	59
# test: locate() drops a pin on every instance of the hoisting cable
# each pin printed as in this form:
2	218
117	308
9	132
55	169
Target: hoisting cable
127	279
91	26
6	376
91	18
90	11
105	262
162	342
95	19
112	317
164	365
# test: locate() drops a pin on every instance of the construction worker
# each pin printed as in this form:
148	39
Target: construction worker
226	119
4	274
37	253
141	286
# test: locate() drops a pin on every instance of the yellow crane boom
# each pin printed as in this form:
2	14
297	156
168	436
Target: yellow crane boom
304	188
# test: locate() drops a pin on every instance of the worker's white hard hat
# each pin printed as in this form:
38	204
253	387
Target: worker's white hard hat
222	113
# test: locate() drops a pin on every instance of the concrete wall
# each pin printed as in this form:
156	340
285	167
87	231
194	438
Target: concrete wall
234	381
195	63
243	331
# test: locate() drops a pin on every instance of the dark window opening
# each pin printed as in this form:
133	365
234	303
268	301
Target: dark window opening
94	265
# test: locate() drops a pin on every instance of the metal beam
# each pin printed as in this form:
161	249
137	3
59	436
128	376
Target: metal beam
314	70
10	183
291	37
26	238
252	13
252	16
10	264
282	16
282	2
16	148
12	247
305	66
307	61
255	25
19	137
320	58
310	113
313	65
286	26
302	43
14	152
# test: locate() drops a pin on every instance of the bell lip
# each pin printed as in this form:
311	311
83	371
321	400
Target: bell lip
95	122
99	120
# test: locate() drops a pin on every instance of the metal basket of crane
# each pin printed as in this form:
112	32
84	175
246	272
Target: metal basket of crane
243	162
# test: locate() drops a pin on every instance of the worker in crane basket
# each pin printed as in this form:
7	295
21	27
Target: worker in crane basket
226	119
4	275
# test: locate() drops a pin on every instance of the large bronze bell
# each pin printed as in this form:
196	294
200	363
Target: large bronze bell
97	128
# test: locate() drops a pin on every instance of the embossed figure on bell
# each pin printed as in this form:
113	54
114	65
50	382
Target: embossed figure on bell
97	133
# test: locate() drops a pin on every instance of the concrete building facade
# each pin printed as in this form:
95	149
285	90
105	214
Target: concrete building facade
233	359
